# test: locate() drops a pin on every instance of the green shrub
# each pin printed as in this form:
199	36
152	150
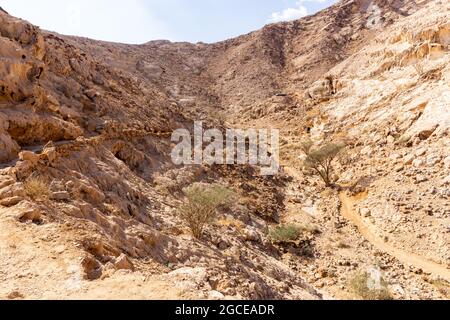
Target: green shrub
285	233
365	287
202	204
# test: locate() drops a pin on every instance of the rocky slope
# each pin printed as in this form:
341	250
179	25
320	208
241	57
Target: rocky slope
94	119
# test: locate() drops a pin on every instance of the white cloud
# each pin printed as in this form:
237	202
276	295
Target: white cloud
289	14
128	21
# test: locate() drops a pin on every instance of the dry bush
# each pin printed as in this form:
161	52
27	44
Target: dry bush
321	160
37	188
202	204
361	285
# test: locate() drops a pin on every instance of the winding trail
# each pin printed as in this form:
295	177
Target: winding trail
367	231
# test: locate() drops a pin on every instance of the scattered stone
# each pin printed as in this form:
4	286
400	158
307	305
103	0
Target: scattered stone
365	212
367	151
447	162
421	178
433	160
446	181
421	152
14	295
408	159
398	290
418	163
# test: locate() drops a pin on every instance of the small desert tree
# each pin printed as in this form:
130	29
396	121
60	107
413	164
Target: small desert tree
202	204
321	160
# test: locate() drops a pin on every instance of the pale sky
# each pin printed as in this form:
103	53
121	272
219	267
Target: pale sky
139	21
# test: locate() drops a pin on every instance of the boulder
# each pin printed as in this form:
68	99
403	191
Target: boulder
322	90
8	147
425	134
29	156
390	139
61	196
251	235
421	178
92	268
123	263
6	182
13	190
421	152
9	202
25	211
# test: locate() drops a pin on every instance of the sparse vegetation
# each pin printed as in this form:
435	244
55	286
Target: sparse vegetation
292	238
442	286
368	288
321	160
285	233
202	204
37	188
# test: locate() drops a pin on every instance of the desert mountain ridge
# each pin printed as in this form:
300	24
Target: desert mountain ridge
90	199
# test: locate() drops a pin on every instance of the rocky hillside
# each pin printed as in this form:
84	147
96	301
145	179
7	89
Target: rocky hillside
89	197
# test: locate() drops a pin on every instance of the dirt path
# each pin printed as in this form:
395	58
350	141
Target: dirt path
367	231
